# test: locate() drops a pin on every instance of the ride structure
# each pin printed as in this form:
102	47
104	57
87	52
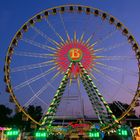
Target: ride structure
60	45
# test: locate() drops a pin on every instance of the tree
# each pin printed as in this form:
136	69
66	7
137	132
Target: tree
35	112
118	108
17	121
24	125
5	116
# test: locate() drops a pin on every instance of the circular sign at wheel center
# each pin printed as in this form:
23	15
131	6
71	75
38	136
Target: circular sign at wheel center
75	54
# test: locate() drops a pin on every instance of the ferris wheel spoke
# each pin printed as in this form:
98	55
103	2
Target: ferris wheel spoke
64	26
82	37
41	100
107	36
112	80
89	39
98	28
98	50
56	75
100	86
115	58
32	66
37	44
54	30
112	97
92	45
37	55
34	93
78	83
51	48
86	22
117	103
35	78
98	83
115	46
70	82
113	68
93	76
38	93
75	38
53	42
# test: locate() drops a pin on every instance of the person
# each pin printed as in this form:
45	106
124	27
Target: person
112	137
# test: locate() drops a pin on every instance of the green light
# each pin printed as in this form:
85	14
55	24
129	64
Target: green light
94	134
122	132
12	133
41	134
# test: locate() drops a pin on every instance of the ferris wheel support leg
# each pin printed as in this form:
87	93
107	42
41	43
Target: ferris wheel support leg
48	118
96	94
95	103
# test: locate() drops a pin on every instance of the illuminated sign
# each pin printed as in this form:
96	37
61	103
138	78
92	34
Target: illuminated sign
94	134
76	125
41	134
81	128
75	54
5	128
124	131
12	133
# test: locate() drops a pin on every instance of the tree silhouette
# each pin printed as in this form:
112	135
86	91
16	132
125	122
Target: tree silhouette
118	108
5	115
18	122
35	112
7	119
24	124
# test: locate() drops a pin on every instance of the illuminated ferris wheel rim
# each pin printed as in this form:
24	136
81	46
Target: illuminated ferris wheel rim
71	9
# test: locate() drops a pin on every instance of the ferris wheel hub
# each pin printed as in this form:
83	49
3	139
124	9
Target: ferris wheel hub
75	55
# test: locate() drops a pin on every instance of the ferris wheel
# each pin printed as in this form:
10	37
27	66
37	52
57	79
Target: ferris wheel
73	43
